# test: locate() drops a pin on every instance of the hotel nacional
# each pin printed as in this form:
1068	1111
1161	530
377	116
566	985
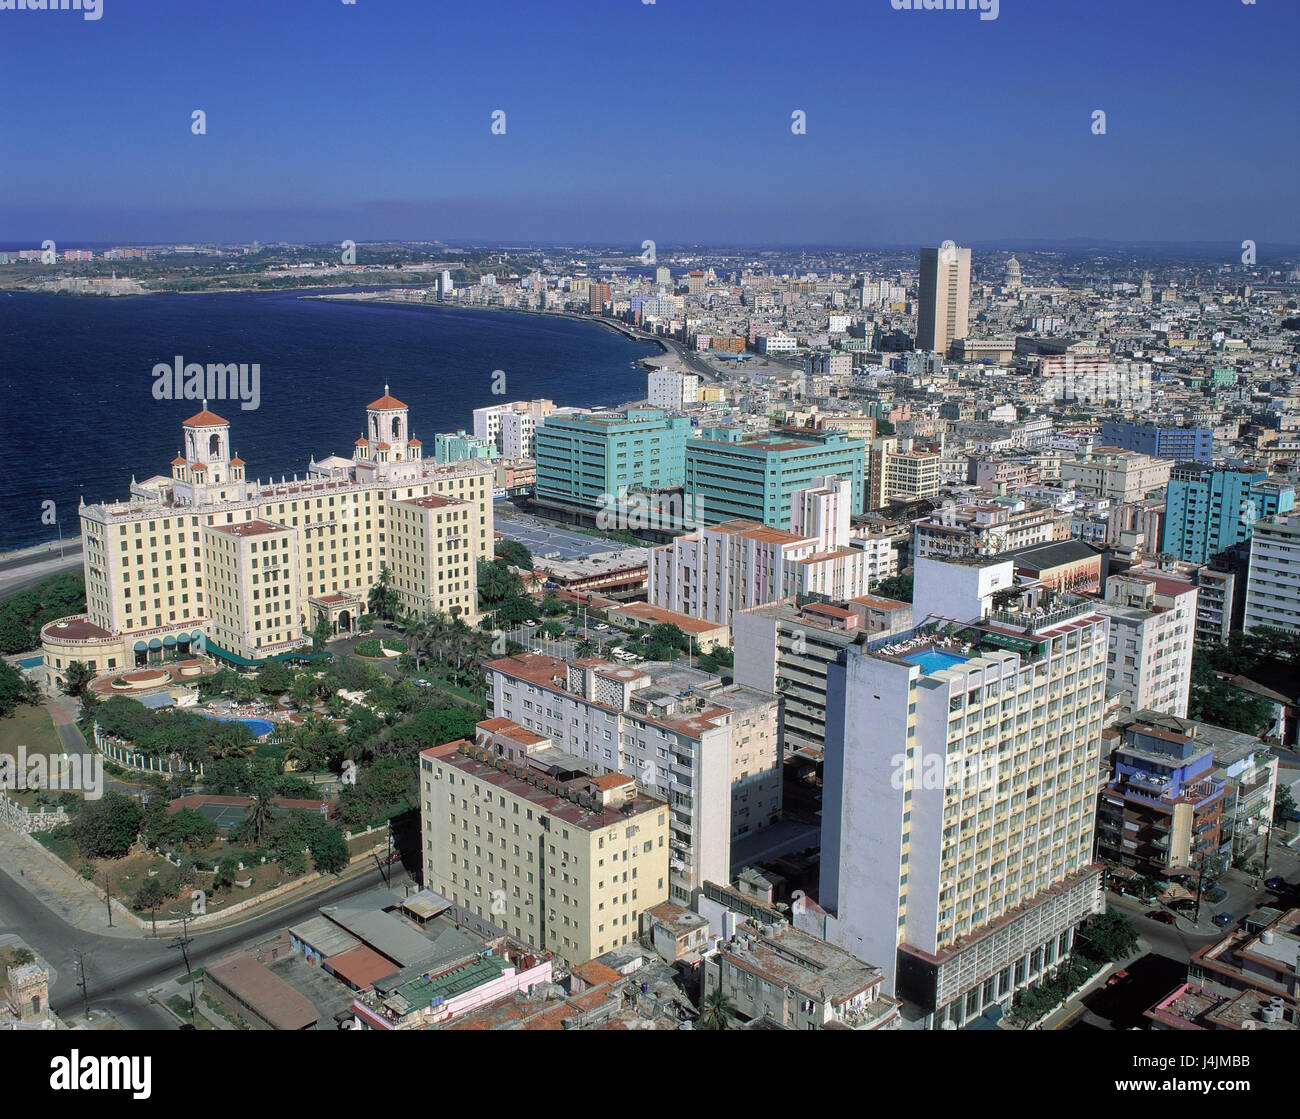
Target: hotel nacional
203	559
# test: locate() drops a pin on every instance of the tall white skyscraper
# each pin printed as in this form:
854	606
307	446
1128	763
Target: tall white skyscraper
943	315
960	795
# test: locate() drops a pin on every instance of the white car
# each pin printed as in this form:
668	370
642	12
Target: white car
531	624
600	627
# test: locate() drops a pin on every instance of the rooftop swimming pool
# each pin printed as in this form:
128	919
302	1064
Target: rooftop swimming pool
932	660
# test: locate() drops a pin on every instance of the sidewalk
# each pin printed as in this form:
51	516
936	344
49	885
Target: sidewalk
34	868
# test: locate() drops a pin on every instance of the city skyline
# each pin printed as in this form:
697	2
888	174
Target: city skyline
384	162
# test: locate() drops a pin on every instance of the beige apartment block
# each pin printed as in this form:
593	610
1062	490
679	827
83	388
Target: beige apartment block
1115	473
712	751
562	858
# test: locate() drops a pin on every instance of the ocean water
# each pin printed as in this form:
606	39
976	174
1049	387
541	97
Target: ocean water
78	417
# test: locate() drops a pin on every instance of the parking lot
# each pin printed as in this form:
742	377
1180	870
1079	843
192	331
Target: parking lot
546	541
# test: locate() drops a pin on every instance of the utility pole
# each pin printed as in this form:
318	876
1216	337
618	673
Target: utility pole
81	982
183	943
1200	880
108	898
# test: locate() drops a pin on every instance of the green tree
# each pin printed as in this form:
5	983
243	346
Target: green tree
274	678
514	553
15	688
321	634
897	587
497	583
329	851
717	1011
106	829
382	599
1283	803
151	894
1211	699
77	677
262	811
1107	936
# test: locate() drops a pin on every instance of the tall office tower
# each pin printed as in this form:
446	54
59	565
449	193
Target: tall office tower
445	286
944	311
960	794
597	296
664	277
1273	585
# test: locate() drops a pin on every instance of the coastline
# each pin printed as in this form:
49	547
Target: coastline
630	333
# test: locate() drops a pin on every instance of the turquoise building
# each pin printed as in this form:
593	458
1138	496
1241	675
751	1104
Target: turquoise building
583	460
461	446
1209	511
730	476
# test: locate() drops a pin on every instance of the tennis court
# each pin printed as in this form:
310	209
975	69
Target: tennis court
224	815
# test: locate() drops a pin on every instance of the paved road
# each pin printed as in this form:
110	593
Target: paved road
120	968
20	572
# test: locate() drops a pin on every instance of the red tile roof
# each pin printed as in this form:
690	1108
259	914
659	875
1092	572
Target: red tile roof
386	402
204	419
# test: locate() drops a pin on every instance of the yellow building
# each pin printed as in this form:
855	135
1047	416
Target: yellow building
521	834
148	587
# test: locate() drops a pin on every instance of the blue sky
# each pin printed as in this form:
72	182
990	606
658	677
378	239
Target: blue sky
669	121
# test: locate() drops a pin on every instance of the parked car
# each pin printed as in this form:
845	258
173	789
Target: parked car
1276	883
600	627
1223	920
1164	917
530	624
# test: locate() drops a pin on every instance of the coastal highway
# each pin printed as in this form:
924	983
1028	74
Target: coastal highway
20	570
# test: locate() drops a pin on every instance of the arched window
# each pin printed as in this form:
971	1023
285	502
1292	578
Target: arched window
397	428
374	427
214	446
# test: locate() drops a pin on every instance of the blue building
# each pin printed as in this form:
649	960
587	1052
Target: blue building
1209	512
1182	444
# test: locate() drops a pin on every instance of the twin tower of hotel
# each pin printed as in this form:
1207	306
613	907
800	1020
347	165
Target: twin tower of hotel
246	570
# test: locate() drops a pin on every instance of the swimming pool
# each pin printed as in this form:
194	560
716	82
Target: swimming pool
260	727
30	662
932	660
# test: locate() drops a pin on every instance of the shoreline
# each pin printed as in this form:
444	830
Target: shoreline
628	332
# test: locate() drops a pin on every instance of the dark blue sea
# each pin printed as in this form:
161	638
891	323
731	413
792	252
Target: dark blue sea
78	417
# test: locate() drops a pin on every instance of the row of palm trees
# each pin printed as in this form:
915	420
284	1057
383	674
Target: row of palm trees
447	641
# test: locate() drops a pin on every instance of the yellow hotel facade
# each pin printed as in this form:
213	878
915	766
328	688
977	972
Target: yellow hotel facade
205	559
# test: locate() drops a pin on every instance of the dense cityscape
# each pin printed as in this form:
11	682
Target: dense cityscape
448	628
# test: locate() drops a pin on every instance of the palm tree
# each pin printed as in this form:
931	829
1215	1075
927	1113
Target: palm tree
383	596
717	1011
303	692
417	629
586	648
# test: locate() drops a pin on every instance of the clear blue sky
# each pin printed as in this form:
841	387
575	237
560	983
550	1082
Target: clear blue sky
668	121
